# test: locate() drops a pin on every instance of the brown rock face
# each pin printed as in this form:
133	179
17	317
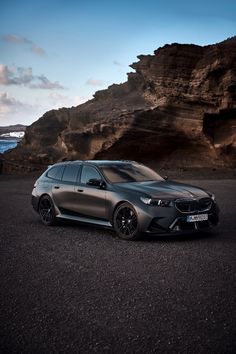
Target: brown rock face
178	109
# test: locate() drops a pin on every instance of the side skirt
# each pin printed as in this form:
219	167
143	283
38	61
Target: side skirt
85	220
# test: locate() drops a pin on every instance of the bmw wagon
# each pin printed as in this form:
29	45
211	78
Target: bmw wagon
124	195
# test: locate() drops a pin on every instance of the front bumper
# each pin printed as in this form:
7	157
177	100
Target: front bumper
169	220
180	225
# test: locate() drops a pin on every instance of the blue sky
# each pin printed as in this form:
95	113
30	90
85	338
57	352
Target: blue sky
58	53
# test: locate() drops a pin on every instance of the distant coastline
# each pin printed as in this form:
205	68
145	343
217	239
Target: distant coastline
7	144
5	138
10	136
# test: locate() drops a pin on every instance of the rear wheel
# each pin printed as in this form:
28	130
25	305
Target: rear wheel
47	211
125	222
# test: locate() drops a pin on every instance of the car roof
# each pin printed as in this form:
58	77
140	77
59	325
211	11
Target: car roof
65	163
94	162
109	162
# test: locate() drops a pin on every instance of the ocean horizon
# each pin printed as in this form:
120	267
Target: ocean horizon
7	144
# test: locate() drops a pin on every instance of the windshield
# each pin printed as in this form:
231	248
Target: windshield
123	173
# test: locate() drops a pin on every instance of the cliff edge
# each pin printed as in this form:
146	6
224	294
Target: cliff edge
178	109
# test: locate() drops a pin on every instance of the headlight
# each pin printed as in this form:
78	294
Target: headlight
146	200
156	202
212	196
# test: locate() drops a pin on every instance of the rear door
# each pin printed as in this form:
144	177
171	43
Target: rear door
64	192
90	200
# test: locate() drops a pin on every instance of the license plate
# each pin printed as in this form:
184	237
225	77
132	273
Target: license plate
194	218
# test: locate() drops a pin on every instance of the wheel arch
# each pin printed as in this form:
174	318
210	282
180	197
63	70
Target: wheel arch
132	226
117	205
44	195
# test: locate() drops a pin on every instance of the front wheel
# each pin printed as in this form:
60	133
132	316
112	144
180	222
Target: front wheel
125	222
47	211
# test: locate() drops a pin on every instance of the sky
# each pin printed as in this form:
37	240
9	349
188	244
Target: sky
58	53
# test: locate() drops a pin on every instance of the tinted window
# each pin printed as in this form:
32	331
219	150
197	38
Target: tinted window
118	173
70	173
88	173
55	172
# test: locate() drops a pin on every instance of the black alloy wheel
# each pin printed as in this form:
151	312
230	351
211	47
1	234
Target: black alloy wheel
126	222
47	211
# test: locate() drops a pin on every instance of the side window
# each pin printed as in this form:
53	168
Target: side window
89	172
55	172
70	173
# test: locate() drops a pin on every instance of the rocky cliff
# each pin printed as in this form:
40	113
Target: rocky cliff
177	109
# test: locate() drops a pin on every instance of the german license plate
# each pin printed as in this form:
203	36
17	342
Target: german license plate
194	218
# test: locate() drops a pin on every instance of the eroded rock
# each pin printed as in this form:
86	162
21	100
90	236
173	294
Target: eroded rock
177	109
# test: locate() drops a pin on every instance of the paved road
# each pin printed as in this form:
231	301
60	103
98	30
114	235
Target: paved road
78	289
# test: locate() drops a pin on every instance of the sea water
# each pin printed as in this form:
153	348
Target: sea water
7	144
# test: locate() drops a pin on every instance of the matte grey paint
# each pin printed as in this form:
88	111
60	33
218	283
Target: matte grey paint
96	205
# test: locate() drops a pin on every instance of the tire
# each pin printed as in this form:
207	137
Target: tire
47	211
125	222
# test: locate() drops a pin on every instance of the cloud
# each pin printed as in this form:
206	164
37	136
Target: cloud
115	62
46	84
8	104
95	82
11	38
24	77
16	39
80	99
38	51
12	110
6	76
58	100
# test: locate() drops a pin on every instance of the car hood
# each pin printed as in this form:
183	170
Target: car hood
164	189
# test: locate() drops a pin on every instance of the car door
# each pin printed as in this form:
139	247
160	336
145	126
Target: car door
64	191
91	200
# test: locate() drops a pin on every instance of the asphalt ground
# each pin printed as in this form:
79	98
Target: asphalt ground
79	289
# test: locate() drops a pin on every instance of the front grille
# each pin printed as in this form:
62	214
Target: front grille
204	204
193	205
186	205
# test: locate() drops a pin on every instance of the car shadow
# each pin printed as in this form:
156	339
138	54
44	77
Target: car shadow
186	237
84	226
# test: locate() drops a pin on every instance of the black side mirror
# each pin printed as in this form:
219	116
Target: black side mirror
166	178
96	183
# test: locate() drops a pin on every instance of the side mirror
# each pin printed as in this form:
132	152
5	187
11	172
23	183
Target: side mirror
166	178
96	183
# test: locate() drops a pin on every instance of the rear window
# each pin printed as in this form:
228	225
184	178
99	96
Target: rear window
71	173
56	172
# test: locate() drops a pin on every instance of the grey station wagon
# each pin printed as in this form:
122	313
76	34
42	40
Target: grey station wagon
124	195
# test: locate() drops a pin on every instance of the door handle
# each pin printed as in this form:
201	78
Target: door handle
80	190
57	187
